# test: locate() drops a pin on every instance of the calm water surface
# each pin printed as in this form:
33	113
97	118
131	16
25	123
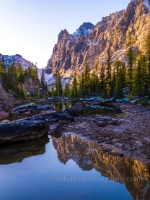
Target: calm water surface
59	106
69	168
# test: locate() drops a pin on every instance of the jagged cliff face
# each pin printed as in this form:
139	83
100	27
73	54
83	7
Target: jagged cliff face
89	155
90	43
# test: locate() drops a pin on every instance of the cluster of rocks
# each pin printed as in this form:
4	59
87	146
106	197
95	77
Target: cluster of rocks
31	127
31	109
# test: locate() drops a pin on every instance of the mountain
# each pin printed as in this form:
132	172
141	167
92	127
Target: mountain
15	60
90	43
18	59
29	82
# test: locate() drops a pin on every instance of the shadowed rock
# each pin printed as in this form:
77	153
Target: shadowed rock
30	128
76	110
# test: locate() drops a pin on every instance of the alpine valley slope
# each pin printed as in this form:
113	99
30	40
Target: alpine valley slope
90	43
30	85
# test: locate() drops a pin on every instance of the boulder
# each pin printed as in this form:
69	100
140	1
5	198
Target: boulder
31	128
76	110
30	108
24	108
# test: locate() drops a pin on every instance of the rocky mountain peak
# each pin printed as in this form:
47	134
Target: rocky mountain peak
63	34
136	3
84	30
90	43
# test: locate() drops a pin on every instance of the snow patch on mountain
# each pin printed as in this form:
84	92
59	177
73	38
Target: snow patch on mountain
50	80
15	60
147	3
78	33
84	30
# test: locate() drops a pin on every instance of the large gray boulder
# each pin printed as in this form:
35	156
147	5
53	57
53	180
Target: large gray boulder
31	127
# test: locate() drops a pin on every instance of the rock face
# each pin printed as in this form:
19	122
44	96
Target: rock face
90	43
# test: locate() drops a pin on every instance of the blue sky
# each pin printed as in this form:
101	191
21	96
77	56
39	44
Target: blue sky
31	27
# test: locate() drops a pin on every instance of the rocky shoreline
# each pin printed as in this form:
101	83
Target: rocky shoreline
123	134
127	134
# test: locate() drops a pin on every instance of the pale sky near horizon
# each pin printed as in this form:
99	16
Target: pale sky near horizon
31	27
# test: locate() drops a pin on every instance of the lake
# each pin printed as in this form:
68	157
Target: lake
69	168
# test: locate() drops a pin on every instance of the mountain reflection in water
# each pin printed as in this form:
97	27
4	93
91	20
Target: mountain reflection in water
89	155
41	175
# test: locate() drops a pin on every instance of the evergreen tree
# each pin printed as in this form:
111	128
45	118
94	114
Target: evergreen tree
108	80
102	80
147	45
43	82
53	91
43	78
109	63
2	68
2	73
95	80
87	80
19	73
59	90
131	57
75	87
81	88
67	90
120	81
140	77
